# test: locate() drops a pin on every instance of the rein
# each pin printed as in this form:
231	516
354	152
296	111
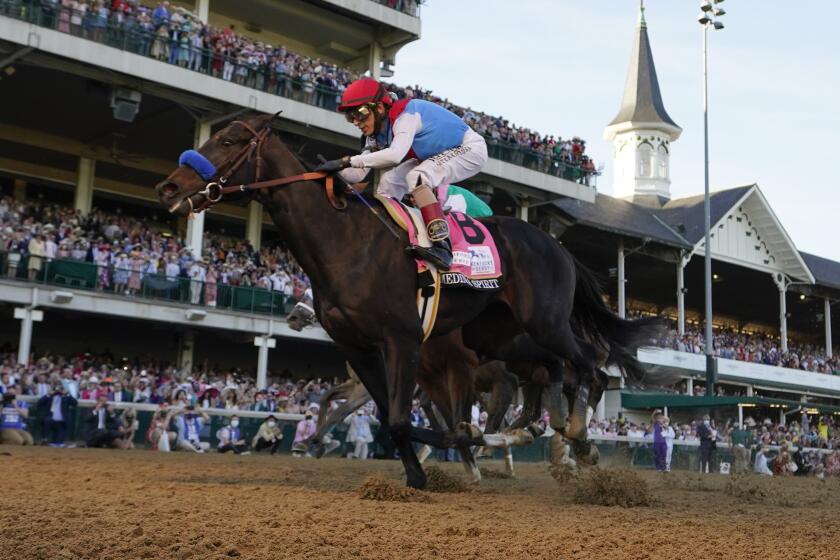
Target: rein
214	191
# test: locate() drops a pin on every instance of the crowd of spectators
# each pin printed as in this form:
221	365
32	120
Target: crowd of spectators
764	447
125	250
173	34
756	348
181	394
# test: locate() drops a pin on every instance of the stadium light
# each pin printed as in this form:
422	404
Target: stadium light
707	20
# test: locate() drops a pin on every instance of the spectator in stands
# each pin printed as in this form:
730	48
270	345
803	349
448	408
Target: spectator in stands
360	433
669	434
707	435
306	428
230	438
269	435
761	465
55	409
190	422
660	447
128	427
159	435
37	252
741	440
832	464
103	425
14	415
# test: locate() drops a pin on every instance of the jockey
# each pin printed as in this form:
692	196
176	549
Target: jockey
426	147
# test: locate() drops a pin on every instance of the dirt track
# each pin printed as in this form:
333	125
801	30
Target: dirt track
83	503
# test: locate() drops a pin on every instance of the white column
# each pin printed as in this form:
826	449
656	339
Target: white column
254	225
827	317
28	317
263	343
86	172
186	352
523	209
202	10
750	391
783	317
375	59
782	417
689	387
622	307
740	416
681	296
195	225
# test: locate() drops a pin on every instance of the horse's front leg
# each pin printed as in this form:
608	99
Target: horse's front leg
401	361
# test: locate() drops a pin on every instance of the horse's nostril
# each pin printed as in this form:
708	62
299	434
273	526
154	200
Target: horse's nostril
169	188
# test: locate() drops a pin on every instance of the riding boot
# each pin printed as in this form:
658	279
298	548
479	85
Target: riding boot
440	253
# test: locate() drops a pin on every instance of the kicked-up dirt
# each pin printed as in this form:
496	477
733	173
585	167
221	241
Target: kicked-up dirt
99	504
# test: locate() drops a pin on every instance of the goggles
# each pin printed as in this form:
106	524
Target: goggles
358	114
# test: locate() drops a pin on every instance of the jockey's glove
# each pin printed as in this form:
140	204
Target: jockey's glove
334	165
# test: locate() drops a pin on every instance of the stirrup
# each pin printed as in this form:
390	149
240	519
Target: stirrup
439	254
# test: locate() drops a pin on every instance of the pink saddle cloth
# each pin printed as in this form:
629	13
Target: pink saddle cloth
475	259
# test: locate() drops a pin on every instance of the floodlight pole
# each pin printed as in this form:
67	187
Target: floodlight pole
707	218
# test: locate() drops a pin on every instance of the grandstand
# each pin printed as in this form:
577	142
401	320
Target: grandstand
85	130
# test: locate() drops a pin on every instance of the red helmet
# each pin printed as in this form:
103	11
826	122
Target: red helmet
362	91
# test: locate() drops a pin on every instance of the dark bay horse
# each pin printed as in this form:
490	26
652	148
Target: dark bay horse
365	284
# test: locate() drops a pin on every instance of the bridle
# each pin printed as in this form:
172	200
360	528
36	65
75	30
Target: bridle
214	191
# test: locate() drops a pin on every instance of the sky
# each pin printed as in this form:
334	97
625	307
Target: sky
559	67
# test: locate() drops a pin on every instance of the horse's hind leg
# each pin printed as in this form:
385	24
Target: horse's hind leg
356	395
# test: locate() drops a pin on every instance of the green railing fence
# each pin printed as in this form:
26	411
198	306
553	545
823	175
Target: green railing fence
139	39
83	275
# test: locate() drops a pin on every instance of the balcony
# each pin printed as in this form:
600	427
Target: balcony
748	373
135	52
177	300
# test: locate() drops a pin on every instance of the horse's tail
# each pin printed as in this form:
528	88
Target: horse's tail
598	323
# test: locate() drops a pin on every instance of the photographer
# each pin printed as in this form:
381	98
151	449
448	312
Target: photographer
269	435
14	415
190	421
230	438
55	409
104	425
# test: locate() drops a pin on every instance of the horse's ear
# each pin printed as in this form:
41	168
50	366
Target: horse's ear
274	122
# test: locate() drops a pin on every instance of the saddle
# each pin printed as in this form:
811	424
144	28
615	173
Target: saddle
475	259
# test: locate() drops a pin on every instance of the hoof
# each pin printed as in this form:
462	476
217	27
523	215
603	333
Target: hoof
418	482
586	453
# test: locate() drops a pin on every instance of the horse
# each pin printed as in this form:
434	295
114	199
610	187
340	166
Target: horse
365	282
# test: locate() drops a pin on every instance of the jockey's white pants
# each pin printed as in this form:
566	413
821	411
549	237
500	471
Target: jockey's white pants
441	170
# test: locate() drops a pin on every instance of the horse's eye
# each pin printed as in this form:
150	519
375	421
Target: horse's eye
227	143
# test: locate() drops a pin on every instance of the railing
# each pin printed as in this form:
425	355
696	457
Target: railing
410	7
249	421
126	282
134	38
